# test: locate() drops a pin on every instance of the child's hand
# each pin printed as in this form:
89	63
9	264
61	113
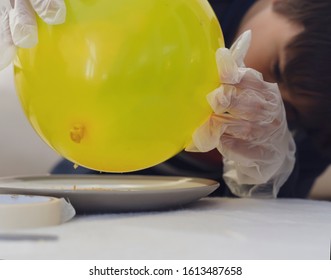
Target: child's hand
18	25
248	127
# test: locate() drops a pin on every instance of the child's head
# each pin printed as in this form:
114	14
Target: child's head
306	75
291	45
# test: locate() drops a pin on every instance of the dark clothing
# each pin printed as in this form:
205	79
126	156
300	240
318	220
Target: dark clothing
309	164
229	14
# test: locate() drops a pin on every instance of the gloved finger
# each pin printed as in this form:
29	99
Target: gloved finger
240	47
227	67
229	61
266	95
7	48
244	103
50	11
206	137
253	162
246	153
246	130
253	80
23	25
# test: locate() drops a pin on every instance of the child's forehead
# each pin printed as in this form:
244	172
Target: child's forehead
271	32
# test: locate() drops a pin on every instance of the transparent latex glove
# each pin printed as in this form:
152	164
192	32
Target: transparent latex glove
18	26
248	127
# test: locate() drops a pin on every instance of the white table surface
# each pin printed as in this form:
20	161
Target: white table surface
211	228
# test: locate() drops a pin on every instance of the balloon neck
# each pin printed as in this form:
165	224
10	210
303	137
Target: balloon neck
77	133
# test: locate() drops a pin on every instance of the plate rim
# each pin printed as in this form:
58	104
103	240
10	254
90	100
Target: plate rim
112	201
205	183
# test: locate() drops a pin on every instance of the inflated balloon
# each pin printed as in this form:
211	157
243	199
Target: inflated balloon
122	84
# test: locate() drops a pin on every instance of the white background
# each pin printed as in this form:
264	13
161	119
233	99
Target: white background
22	152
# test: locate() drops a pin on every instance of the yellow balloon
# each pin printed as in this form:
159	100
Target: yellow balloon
122	84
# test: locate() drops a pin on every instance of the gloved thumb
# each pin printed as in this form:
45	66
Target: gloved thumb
50	11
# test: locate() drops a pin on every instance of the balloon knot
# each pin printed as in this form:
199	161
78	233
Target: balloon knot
77	133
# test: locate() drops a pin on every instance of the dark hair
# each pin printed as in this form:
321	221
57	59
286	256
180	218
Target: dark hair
307	73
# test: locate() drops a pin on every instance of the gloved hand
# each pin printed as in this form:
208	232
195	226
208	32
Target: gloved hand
248	127
18	26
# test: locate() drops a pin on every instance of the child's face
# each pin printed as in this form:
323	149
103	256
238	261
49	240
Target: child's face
270	34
